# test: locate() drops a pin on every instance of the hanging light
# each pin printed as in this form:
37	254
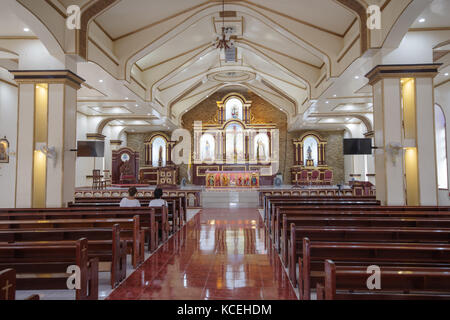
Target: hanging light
223	41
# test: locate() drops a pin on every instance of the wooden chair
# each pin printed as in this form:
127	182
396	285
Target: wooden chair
328	177
304	177
315	177
107	178
97	182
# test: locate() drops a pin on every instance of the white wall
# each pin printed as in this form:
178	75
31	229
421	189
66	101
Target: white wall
8	128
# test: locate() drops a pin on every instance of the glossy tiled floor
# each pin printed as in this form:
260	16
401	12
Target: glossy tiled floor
220	254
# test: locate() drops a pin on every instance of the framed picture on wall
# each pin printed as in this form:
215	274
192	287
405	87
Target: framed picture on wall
4	150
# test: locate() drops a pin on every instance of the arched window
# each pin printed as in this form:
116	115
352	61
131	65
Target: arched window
441	147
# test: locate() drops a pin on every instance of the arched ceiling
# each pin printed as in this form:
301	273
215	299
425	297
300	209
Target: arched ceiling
155	58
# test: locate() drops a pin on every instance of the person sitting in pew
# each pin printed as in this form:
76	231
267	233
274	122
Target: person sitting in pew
130	201
158	202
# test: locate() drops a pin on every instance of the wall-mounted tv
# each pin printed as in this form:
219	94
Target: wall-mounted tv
357	146
94	149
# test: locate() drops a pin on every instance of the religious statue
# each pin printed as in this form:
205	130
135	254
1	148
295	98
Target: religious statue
208	156
309	151
235	112
260	151
160	156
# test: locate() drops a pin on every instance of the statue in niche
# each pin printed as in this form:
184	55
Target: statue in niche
261	151
235	112
208	156
160	156
309	152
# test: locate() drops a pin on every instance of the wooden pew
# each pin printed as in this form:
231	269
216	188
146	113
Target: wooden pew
352	221
337	211
149	220
311	265
271	202
8	286
397	283
177	205
104	244
44	266
129	230
361	234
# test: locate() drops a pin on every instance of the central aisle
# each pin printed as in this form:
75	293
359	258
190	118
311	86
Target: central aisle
220	254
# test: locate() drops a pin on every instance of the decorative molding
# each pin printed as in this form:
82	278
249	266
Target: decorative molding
95	136
403	71
48	76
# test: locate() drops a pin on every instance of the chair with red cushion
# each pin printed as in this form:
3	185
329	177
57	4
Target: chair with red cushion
304	177
315	176
328	177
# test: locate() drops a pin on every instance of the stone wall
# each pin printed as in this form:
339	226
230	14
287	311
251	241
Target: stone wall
334	151
136	141
263	112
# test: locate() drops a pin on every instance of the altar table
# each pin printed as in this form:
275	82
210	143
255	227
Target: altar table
232	179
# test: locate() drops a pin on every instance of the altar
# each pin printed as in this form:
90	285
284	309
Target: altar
232	179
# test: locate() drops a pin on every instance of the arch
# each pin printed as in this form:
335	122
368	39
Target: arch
50	42
102	124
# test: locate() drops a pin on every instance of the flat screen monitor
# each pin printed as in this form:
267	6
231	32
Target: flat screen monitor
357	146
94	149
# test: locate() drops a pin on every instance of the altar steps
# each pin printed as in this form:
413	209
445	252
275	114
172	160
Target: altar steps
230	199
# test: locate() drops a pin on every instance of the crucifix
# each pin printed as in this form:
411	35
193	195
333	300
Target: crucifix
6	288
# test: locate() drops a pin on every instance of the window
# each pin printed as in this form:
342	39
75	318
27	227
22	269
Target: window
441	147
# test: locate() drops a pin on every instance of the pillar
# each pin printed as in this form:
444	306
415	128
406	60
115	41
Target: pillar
405	161
46	137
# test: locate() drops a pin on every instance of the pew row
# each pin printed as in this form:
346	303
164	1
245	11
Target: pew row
396	283
44	266
104	243
130	231
312	264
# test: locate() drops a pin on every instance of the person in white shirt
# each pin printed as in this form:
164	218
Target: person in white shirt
130	201
158	202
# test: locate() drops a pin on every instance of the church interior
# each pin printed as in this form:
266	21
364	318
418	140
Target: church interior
291	146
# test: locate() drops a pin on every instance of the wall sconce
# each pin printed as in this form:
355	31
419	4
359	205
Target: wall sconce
49	152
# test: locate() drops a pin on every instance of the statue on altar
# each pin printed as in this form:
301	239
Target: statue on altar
160	156
309	152
235	112
208	156
261	152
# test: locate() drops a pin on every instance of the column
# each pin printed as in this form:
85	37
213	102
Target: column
46	137
405	161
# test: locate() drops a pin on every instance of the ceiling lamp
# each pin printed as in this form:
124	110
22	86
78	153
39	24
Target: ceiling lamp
223	41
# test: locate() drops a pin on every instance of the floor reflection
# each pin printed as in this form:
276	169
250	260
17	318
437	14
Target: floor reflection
220	254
